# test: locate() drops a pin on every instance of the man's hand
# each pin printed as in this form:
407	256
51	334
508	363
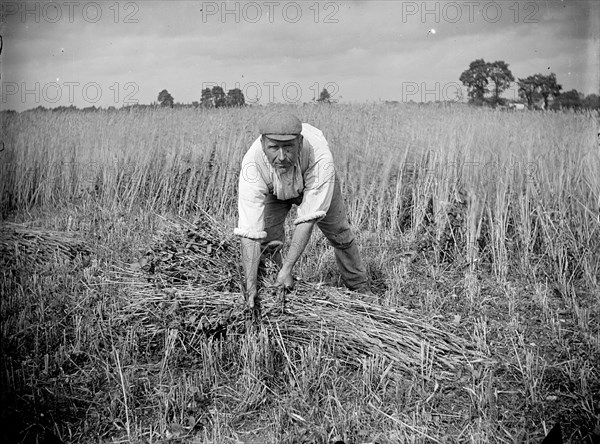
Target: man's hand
299	240
285	279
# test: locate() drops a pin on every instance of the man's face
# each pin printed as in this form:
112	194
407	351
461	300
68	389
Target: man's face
282	155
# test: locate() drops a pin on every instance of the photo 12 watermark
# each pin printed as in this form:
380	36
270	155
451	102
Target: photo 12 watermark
448	92
431	92
270	12
69	93
69	11
279	92
470	11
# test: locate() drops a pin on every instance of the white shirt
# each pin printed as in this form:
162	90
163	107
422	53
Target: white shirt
313	174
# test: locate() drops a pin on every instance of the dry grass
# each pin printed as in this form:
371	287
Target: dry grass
480	231
178	288
38	244
356	329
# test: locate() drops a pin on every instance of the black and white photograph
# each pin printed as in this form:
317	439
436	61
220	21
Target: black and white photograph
300	222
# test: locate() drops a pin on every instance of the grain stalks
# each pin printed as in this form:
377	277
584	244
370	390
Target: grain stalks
38	245
158	300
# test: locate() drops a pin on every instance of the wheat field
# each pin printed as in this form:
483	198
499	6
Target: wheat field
480	230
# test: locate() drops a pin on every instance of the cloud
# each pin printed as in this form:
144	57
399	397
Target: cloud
366	48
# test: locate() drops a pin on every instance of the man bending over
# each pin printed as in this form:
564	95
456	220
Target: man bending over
290	163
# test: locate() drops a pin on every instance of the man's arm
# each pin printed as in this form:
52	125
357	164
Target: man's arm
300	239
250	260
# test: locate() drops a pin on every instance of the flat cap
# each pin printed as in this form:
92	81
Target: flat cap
280	126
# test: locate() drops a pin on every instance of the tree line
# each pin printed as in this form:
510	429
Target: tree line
486	82
216	97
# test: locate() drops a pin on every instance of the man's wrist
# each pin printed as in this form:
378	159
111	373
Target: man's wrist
251	285
287	267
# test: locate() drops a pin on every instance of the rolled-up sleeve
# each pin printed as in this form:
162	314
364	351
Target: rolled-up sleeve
319	182
251	201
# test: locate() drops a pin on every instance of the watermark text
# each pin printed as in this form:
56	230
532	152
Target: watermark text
54	12
69	92
470	11
269	12
286	92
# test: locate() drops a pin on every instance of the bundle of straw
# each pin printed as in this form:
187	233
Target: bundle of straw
38	245
313	313
190	286
201	253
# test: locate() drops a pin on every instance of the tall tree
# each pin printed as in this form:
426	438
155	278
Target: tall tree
165	99
476	80
206	99
546	86
218	96
501	76
528	89
235	97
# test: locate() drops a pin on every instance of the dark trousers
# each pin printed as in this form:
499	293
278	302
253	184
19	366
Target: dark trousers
334	226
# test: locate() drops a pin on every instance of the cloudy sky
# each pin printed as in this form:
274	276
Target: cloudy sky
113	52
